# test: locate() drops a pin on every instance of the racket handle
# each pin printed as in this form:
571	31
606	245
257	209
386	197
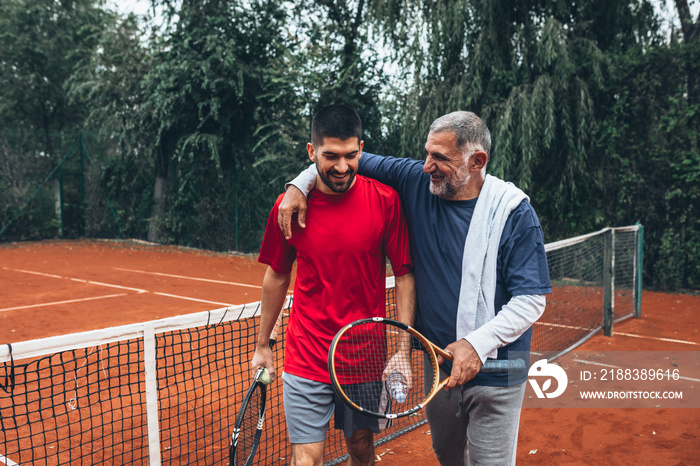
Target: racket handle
493	366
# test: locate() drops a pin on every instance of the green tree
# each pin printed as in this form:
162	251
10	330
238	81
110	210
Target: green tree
215	85
649	158
691	37
42	41
336	61
109	85
593	111
531	69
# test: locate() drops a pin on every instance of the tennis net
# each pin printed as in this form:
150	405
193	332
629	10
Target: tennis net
587	282
168	391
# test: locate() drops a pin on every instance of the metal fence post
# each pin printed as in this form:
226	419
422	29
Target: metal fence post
608	282
640	272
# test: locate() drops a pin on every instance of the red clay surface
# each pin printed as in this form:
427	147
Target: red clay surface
44	290
58	287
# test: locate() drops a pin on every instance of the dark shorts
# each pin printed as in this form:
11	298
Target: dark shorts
309	406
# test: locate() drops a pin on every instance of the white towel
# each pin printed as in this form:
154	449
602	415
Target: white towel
477	293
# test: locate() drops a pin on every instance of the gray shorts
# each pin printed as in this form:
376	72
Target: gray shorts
309	406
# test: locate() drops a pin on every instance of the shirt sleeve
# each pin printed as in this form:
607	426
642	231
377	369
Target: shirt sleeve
396	244
512	321
305	181
392	171
522	257
275	250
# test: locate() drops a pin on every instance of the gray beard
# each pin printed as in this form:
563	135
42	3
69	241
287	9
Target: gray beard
445	191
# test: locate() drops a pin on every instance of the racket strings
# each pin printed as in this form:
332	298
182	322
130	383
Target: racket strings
364	358
248	427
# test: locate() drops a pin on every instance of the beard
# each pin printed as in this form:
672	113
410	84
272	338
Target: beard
448	188
335	186
444	189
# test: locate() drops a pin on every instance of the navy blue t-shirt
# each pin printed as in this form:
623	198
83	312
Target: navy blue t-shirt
438	230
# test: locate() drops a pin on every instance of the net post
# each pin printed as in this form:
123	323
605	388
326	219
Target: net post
608	282
151	373
639	272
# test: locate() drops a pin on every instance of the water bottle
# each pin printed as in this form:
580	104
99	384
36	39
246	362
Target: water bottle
397	386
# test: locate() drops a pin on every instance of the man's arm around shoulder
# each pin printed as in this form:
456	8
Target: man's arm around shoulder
295	200
387	170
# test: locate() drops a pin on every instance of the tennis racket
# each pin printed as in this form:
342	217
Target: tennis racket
251	417
365	354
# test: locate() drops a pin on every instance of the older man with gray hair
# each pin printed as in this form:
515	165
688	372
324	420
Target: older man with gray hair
481	275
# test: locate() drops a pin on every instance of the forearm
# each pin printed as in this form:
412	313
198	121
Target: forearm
512	321
406	298
405	312
274	292
305	181
388	170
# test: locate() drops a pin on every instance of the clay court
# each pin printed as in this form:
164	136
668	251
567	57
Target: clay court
61	287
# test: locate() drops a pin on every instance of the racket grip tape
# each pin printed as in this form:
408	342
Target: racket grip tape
494	366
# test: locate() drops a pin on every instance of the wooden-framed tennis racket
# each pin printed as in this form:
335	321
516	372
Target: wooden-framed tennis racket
251	417
365	352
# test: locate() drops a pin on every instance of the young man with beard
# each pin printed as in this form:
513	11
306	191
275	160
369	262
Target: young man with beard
341	271
481	276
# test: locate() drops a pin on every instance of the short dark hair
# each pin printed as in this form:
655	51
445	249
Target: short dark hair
335	121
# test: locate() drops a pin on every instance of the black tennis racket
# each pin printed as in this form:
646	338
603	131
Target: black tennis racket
251	417
365	355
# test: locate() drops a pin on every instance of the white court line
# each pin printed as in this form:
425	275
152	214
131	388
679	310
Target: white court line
138	290
81	280
583	361
656	338
63	302
8	461
631	335
192	299
190	278
548	324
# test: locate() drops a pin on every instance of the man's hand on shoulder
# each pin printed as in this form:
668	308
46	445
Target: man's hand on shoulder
293	201
465	364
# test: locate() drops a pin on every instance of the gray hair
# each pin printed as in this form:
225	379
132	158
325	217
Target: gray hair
472	133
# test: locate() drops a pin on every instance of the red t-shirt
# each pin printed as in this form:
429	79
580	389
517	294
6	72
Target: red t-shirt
341	266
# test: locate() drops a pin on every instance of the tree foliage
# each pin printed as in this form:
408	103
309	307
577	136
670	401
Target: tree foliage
650	162
217	78
42	41
195	120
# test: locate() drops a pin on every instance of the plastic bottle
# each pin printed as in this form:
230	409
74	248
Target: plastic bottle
397	386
